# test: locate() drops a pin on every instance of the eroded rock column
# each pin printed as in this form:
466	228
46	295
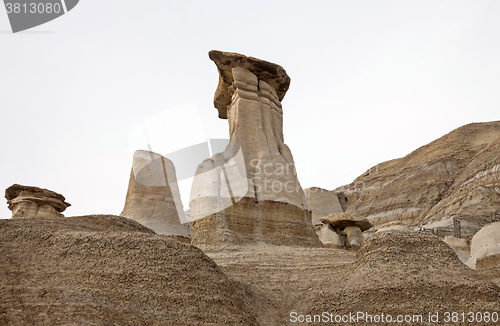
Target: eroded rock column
250	193
153	197
34	202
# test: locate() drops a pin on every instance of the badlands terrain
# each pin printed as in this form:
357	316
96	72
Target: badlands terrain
109	270
457	174
414	240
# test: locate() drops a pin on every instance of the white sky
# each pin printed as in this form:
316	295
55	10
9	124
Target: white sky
371	81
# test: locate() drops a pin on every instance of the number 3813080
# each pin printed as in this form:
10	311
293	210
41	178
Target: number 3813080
33	8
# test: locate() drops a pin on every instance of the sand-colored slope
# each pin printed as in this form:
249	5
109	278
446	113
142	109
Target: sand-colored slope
282	276
404	273
107	270
393	273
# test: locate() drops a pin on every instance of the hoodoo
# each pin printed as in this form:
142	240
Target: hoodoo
34	202
250	193
153	197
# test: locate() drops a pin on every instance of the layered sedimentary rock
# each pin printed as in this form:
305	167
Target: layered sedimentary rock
110	270
460	246
34	202
403	273
250	192
153	197
329	237
485	243
489	264
455	175
322	203
475	191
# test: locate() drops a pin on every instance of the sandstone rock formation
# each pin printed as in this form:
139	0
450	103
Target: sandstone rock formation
322	203
489	264
110	270
34	202
342	220
455	175
329	237
354	237
153	197
403	273
346	225
485	243
250	192
460	247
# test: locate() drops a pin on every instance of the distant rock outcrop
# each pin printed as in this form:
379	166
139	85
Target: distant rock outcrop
153	197
250	192
322	203
456	175
34	202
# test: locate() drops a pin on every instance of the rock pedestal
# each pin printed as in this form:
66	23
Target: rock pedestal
34	202
153	197
250	192
329	237
347	226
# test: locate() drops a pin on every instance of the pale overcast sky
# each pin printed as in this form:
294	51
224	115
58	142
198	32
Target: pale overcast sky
371	81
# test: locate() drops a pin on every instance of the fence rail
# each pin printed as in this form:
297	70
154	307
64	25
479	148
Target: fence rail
456	229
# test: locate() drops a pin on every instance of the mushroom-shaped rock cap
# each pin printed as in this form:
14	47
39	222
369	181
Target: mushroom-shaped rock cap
342	220
271	73
39	195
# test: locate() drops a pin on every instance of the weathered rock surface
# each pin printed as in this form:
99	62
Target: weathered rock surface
250	192
460	247
347	226
329	237
109	270
272	74
283	276
322	203
489	264
153	197
34	202
458	173
249	222
486	240
403	273
354	237
342	220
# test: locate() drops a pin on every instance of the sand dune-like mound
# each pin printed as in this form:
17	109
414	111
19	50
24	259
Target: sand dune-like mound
405	273
109	270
